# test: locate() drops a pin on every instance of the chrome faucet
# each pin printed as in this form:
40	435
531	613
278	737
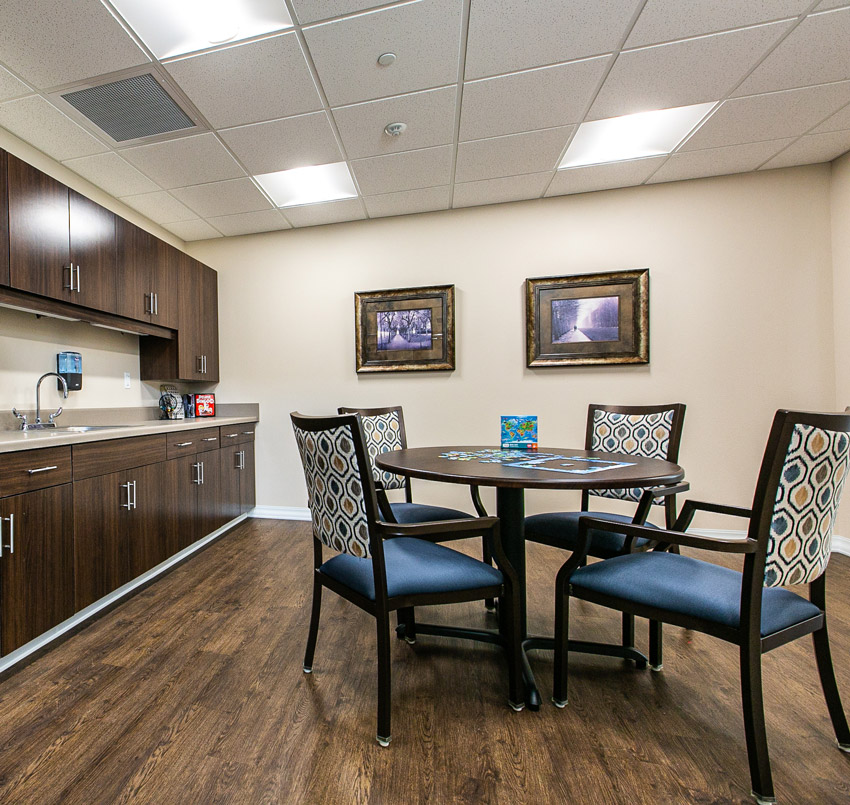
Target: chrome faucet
38	424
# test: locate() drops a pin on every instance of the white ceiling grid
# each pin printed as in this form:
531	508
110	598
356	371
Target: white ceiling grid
492	92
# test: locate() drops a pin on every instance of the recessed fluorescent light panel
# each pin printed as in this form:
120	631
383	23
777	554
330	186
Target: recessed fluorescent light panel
174	27
645	134
309	185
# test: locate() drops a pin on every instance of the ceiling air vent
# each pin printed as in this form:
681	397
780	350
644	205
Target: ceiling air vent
130	109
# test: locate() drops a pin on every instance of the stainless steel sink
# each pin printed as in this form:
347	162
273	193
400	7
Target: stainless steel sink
85	428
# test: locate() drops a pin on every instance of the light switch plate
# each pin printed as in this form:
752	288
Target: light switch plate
126	380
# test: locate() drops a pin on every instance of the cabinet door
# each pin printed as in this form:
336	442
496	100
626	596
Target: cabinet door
147	541
180	502
231	476
4	221
37	567
247	484
38	232
209	324
101	525
210	516
190	334
93	253
136	255
166	285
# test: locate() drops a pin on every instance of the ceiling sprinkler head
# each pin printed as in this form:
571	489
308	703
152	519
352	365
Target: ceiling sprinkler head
394	129
386	59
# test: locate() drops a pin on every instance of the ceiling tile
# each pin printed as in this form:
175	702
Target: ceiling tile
536	99
294	142
113	174
840	121
826	4
248	223
54	42
769	117
717	161
666	20
332	212
811	149
223	198
248	83
186	161
603	177
193	230
508	35
498	191
11	87
408	202
425	36
815	52
39	123
408	170
429	115
663	77
511	155
160	207
314	10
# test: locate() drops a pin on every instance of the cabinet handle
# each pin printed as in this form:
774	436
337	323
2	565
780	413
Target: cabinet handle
78	277
197	478
247	433
205	364
230	435
134	494
241	459
183	444
42	469
148	304
129	504
199	362
210	439
202	471
155	301
70	285
11	546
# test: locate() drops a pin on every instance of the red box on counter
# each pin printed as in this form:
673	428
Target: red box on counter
205	405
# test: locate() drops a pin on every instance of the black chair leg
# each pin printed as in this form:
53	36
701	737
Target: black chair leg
754	727
656	637
516	694
384	734
830	688
487	557
628	630
407	618
562	630
314	627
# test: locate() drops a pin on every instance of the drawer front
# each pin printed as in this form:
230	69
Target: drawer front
237	434
102	458
189	442
34	469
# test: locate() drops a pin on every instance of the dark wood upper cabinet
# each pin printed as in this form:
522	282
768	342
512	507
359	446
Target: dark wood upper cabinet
39	259
4	220
37	567
148	276
93	253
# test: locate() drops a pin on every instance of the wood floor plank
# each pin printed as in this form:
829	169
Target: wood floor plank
192	691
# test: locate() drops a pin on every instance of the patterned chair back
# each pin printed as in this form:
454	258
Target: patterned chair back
800	502
383	429
337	484
646	431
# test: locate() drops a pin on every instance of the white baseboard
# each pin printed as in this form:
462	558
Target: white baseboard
839	544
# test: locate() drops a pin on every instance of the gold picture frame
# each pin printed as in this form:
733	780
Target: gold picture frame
588	319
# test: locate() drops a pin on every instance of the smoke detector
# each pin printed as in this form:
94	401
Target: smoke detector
386	59
394	129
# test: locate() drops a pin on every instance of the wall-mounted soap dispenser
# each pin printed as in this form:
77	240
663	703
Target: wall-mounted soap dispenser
70	366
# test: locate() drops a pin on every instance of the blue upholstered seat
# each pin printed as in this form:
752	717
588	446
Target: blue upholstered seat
414	566
690	587
561	530
423	513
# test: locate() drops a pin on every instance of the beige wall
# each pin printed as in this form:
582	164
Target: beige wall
741	319
28	345
840	208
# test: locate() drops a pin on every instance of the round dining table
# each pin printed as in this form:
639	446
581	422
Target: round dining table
511	472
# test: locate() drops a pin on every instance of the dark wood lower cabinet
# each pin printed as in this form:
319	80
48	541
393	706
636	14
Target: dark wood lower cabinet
37	565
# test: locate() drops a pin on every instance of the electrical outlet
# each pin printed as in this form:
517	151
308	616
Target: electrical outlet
126	380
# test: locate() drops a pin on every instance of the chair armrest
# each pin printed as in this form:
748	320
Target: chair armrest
690	507
652	493
384	507
474	525
476	501
665	537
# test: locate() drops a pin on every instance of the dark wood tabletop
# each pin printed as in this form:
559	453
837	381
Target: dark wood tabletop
516	468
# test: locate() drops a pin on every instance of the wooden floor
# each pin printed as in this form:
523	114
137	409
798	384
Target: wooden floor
192	692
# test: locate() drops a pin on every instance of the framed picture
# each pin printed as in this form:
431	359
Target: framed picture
588	319
405	330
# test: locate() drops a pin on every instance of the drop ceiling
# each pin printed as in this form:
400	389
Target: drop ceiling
492	93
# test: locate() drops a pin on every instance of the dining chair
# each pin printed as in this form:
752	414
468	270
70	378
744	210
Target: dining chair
788	542
650	431
381	566
384	432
